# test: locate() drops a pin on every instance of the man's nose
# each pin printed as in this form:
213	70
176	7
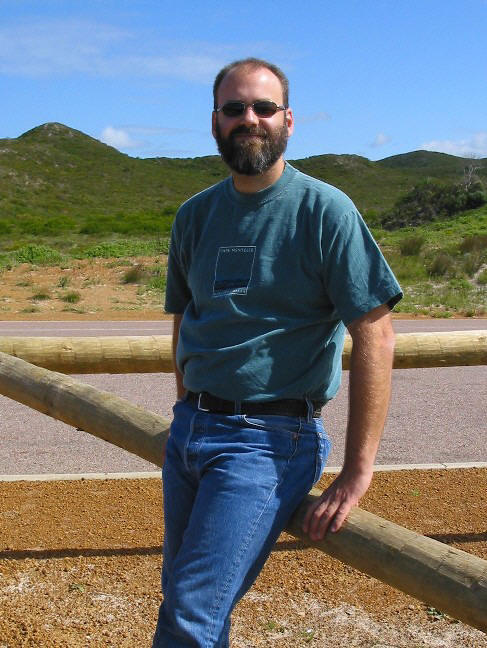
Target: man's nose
249	116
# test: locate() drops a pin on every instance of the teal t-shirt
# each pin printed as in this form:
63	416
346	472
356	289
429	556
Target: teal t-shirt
266	283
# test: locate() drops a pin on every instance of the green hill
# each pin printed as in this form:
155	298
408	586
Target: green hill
65	196
56	180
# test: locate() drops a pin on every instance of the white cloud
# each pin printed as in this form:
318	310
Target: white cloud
156	130
476	145
57	47
118	138
313	118
65	47
381	139
128	137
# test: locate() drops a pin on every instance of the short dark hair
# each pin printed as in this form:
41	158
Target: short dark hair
253	64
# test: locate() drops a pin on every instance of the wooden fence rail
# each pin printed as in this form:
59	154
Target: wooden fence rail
446	578
143	354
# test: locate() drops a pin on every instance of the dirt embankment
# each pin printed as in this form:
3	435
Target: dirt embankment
88	289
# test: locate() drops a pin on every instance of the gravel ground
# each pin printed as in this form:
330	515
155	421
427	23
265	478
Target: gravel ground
80	566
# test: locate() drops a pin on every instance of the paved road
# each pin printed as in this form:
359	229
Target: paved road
436	415
164	327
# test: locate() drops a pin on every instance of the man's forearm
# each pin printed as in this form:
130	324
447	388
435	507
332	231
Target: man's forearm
370	387
369	395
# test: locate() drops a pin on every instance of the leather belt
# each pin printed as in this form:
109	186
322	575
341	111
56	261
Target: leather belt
284	407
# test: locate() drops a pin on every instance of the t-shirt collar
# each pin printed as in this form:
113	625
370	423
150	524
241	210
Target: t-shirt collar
263	195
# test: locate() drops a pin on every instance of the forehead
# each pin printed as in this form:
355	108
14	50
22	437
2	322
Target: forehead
249	84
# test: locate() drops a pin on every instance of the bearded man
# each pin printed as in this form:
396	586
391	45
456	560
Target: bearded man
266	270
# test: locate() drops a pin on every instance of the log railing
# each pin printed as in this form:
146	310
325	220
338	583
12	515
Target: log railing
445	577
143	354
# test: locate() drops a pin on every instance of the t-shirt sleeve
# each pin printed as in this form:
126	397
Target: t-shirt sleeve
178	294
355	273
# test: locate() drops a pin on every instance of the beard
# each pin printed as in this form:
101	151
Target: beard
251	157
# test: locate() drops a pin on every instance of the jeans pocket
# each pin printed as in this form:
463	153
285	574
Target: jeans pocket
274	423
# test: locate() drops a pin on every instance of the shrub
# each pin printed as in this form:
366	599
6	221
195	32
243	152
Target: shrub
471	263
122	248
40	254
482	278
372	217
476	199
408	269
72	297
460	285
474	243
40	296
411	245
162	245
157	283
5	262
46	226
130	223
430	201
440	265
157	278
134	275
5	228
63	282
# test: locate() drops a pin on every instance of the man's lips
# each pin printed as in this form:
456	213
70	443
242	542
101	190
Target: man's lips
246	134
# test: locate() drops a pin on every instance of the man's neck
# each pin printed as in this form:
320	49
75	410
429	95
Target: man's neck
252	184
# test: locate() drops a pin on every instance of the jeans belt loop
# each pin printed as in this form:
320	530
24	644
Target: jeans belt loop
310	412
199	403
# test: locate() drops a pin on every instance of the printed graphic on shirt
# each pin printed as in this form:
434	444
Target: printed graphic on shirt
233	270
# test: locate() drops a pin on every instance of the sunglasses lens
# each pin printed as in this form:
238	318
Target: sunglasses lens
260	108
265	108
233	108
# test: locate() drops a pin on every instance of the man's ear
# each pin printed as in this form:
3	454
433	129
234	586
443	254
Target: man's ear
213	123
289	121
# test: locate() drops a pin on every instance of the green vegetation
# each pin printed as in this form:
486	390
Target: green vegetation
411	245
63	282
152	278
39	254
441	265
41	296
55	181
72	297
431	201
66	196
126	248
134	275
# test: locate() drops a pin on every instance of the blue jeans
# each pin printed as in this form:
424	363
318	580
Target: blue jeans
230	485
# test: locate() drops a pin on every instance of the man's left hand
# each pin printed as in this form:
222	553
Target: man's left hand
331	509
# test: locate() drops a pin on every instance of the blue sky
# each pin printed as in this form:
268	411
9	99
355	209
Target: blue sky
370	77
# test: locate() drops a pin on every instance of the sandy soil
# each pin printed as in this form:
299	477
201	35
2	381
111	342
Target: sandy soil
31	292
80	565
103	294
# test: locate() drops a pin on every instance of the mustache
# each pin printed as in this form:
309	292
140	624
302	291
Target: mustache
244	130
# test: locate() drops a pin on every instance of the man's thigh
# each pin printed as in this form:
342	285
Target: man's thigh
251	473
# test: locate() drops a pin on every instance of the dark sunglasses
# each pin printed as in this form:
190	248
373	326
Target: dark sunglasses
261	108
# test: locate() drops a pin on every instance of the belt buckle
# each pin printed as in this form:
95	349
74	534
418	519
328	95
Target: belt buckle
202	409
